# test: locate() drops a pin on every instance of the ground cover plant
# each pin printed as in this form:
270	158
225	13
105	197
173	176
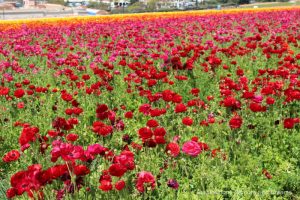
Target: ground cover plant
187	105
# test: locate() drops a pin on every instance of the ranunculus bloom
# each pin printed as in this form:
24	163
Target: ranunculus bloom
120	185
270	100
13	155
81	170
145	133
145	178
195	91
235	122
152	123
4	91
117	170
11	192
72	137
258	98
256	107
173	149
20	105
105	185
191	148
19	93
159	131
128	115
180	108
289	123
187	121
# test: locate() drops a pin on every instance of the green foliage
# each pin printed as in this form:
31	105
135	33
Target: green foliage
61	2
98	5
152	5
133	2
136	7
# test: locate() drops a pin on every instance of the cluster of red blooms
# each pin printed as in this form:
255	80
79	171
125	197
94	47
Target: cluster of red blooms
34	179
120	165
103	113
152	134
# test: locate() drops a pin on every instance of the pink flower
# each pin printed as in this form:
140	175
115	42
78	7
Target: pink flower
258	98
191	148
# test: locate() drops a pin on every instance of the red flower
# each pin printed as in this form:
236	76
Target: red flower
152	123
81	170
102	129
26	181
105	176
235	122
195	139
126	159
195	91
85	77
289	123
19	93
229	102
11	192
105	185
4	91
167	95
256	107
66	151
120	185
13	155
29	134
239	72
77	111
160	131
145	133
180	108
117	170
187	121
66	96
143	179
128	115
157	112
214	152
160	140
61	123
209	98
72	137
177	98
69	111
203	146
145	109
173	149
21	105
270	100
102	111
151	82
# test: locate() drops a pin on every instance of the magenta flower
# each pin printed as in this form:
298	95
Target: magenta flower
191	148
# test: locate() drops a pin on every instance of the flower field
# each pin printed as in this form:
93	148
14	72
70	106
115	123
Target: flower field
181	105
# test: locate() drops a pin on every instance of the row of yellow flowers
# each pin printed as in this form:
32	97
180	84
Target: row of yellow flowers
11	24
